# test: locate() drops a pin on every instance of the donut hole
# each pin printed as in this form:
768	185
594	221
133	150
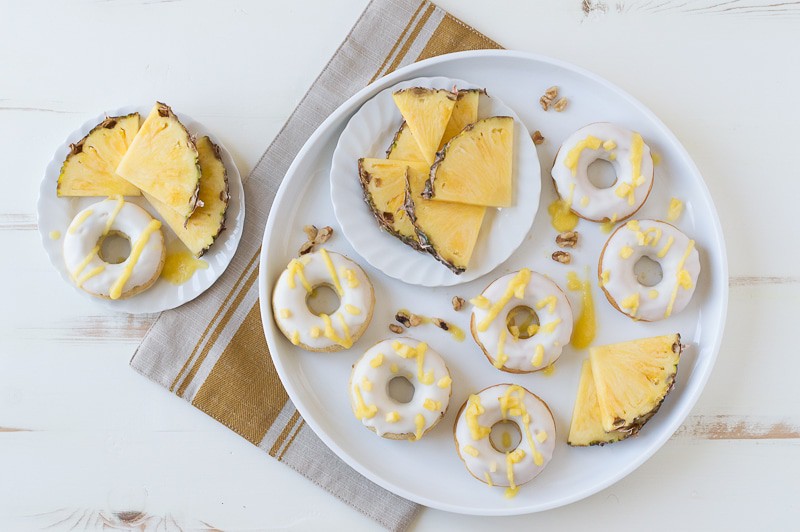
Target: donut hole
522	322
115	247
648	272
323	299
505	436
400	389
601	174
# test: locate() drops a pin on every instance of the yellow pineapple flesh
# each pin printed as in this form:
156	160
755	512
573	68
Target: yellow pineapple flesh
90	168
384	185
475	167
404	147
427	112
465	112
205	224
586	427
633	378
163	162
448	230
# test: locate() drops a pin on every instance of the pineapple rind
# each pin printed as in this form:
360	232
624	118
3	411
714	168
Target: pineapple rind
488	194
168	171
619	368
404	147
465	112
75	179
586	428
427	112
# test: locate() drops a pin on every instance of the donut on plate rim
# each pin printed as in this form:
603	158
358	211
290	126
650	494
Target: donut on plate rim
83	256
369	388
661	242
505	402
512	352
323	332
625	150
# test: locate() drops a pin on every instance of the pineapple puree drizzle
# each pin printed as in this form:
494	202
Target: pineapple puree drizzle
561	216
406	351
136	252
77	222
455	331
683	280
585	328
675	209
628	189
55	235
509	404
180	266
332	272
516	288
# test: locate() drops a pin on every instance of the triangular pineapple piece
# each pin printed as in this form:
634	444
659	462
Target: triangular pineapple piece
384	186
404	147
426	111
586	427
90	168
205	224
465	113
633	378
163	162
475	167
448	230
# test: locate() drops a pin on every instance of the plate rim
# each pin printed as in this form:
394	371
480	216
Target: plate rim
349	106
54	166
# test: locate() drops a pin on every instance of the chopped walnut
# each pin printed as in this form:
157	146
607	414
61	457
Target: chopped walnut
568	239
551	93
307	247
441	324
403	319
537	137
395	328
560	105
458	303
545	103
562	256
414	320
311	232
323	235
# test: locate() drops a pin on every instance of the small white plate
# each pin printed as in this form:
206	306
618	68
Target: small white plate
369	133
55	214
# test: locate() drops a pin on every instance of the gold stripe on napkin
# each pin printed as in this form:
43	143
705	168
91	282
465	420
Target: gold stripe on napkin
212	351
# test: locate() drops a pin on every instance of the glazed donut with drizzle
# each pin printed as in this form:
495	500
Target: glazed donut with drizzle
510	468
324	332
378	410
661	242
507	347
625	150
83	242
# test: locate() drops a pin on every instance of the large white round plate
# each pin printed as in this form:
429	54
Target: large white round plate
369	133
55	214
429	471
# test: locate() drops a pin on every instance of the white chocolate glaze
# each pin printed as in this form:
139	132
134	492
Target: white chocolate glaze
424	369
625	151
323	333
82	245
495	404
539	294
664	243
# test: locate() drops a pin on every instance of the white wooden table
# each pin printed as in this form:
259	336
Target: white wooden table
82	435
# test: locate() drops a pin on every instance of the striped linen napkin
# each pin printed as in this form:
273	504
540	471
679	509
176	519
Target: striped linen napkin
218	361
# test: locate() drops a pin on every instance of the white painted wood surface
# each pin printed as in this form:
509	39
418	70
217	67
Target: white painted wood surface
82	436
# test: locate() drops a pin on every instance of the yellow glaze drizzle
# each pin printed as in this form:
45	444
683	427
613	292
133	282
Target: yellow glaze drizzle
85	262
682	277
473	410
296	268
430	404
78	221
509	404
606	227
561	216
573	155
675	209
351	278
367	384
88	275
113	216
296	337
506	440
652	294
362	410
419	422
550	326
549	302
632	303
55	235
584	201
392	417
481	302
406	351
377	361
332	272
626	252
393	368
179	267
604	277
656	158
470	450
352	309
541	436
315	332
488	479
516	287
330	332
585	328
444	382
549	370
501	358
286	313
130	264
663	252
538	356
609	145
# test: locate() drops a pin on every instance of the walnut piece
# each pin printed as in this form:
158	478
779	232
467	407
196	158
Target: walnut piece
545	103
307	247
311	231
562	256
568	239
403	319
458	303
323	235
537	137
441	324
414	320
551	93
395	328
560	105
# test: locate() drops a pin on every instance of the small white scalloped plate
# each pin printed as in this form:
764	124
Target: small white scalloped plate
55	214
369	133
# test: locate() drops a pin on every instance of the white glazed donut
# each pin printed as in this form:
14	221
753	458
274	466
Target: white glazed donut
334	332
661	242
536	426
84	238
632	163
507	351
424	369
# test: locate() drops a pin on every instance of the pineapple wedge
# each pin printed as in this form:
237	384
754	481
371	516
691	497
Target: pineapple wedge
633	378
207	222
384	185
404	147
427	112
465	112
586	427
90	167
163	162
449	231
475	167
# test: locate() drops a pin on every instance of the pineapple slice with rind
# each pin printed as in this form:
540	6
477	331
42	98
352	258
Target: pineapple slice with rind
163	162
384	184
404	147
427	112
205	224
475	167
586	427
449	231
465	112
633	378
90	168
